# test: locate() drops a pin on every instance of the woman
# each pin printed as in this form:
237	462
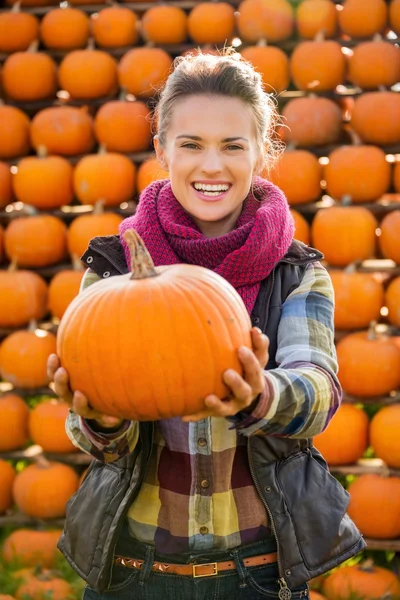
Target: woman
233	502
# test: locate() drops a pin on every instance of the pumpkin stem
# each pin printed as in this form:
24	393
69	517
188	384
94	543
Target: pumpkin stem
142	265
42	151
34	46
32	325
13	266
16	8
355	138
42	461
352	267
122	95
371	335
99	207
367	565
346	200
320	36
102	149
262	43
90	44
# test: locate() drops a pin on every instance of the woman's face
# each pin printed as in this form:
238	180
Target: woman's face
211	154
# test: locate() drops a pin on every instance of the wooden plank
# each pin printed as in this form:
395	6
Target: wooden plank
364	467
21	520
384	400
384	545
30	453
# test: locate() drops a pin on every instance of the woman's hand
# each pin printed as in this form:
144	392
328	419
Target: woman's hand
77	401
244	389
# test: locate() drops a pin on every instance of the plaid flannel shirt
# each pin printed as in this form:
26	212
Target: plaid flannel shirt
198	493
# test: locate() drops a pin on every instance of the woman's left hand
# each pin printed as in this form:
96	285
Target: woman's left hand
244	389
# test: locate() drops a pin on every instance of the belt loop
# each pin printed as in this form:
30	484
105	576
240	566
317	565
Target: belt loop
240	567
146	566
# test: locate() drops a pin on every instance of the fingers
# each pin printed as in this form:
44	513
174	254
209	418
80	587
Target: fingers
253	374
53	363
81	407
260	346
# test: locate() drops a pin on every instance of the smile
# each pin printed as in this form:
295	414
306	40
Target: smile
211	190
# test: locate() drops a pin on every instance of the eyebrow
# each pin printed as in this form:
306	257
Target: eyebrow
198	138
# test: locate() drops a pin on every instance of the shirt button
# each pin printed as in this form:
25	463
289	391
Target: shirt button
202	442
203	530
205	483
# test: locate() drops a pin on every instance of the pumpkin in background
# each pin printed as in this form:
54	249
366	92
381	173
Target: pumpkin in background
360	173
315	16
211	23
88	74
313	595
273	65
384	435
63	288
43	586
123	126
86	227
364	581
17	30
37	71
357	22
392	301
6	597
350	426
42	490
390	236
308	65
6	195
298	174
188	300
63	130
375	118
301	227
155	18
23	297
14	138
115	26
29	547
142	71
47	426
1	243
65	29
7	476
36	241
344	234
150	170
374	64
311	121
394	16
13	423
359	298
272	20
375	506
44	182
396	176
369	364
109	177
23	358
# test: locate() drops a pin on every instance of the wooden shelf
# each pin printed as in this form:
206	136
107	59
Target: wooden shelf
385	545
73	458
20	520
383	400
364	467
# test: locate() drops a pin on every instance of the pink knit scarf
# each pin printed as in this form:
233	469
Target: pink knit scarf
244	257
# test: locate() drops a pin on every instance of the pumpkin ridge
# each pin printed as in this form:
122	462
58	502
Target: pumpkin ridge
85	327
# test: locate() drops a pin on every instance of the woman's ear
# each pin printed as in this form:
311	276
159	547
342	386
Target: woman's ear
160	153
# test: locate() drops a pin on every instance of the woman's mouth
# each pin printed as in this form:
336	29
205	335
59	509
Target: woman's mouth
211	191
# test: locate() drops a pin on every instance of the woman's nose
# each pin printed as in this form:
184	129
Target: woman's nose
212	162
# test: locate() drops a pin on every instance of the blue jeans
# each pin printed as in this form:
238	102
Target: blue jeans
243	583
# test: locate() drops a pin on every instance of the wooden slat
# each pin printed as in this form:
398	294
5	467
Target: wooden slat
72	458
384	545
384	400
20	520
364	467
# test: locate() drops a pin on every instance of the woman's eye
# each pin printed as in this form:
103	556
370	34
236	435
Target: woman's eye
191	146
234	147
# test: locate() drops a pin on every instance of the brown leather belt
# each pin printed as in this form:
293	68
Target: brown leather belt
194	570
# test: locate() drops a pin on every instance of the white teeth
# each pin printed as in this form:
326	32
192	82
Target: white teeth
210	188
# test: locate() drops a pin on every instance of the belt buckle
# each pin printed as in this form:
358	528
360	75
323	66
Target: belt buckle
212	564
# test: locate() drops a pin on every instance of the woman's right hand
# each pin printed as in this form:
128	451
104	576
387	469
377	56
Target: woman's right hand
76	400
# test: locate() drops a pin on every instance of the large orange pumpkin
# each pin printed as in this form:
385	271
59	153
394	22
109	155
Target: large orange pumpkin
375	118
23	358
363	581
298	174
63	288
150	170
43	489
193	304
88	74
345	439
369	364
123	126
273	65
36	70
360	173
390	236
7	476
23	297
155	18
375	506
301	227
392	301
30	548
115	26
41	587
384	435
47	426
272	20
63	130
211	23
44	182
36	241
17	30
394	16
359	298
357	22
142	71
374	64
344	234
311	121
6	195
315	16
109	177
308	65
65	29
13	423
86	227
14	138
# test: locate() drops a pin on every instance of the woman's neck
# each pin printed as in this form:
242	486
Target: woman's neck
213	229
